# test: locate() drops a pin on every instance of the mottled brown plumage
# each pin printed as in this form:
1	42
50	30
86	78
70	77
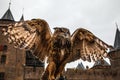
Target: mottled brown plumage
60	47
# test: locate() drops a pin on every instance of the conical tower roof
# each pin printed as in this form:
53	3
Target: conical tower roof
80	66
117	39
8	15
22	18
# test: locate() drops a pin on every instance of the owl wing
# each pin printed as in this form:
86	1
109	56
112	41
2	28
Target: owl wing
87	46
33	35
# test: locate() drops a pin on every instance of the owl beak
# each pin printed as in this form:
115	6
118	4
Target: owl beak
66	35
63	35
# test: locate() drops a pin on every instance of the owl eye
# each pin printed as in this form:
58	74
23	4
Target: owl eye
67	32
63	30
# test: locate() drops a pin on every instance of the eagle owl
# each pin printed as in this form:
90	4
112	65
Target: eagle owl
60	47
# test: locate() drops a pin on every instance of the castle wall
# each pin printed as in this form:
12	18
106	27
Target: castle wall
100	72
32	73
92	74
14	67
15	58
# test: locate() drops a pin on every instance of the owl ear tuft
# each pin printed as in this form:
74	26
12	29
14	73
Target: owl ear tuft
55	28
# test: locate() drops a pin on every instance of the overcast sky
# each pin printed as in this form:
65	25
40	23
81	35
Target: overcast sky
98	16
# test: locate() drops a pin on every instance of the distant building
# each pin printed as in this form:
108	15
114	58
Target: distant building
80	66
101	64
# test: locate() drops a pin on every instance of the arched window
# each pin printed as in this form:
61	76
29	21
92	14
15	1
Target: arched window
3	59
3	47
2	76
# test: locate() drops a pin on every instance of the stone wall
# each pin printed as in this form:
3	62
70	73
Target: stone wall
93	74
99	72
32	73
14	67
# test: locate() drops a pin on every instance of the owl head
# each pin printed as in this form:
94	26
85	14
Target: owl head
61	32
61	37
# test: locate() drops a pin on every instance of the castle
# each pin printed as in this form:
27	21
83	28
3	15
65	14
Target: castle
16	64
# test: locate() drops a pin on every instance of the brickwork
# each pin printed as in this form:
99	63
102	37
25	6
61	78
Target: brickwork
14	67
99	72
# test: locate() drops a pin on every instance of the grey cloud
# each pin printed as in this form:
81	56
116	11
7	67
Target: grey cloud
97	16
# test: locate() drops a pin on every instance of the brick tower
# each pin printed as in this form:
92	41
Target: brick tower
16	64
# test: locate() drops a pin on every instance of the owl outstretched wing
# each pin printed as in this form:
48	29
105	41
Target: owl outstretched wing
87	46
33	35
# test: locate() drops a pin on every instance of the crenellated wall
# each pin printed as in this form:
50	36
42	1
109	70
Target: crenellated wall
98	72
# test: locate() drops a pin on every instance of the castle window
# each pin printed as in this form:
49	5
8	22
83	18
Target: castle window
3	59
2	76
31	60
3	47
